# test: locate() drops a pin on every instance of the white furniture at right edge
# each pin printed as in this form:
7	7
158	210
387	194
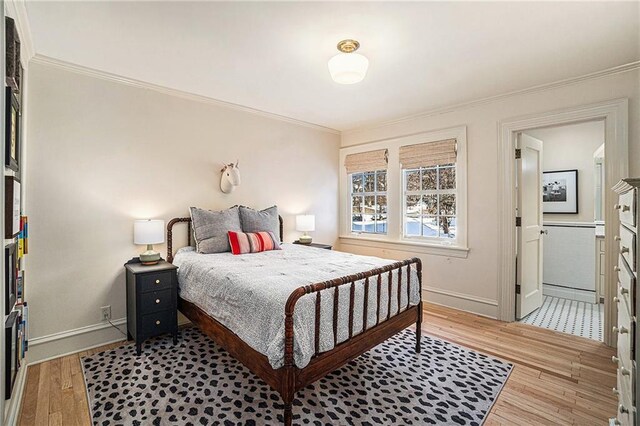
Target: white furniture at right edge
627	302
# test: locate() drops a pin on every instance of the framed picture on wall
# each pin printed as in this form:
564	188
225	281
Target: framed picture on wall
12	131
11	207
560	192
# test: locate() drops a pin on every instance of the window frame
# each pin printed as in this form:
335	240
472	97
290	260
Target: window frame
421	192
394	238
364	194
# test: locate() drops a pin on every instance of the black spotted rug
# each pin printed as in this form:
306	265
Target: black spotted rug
198	383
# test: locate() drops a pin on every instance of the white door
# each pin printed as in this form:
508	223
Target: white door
530	231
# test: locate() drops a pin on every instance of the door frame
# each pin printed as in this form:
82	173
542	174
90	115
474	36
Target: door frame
615	114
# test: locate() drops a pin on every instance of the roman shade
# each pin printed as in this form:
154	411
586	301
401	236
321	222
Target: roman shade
428	154
366	161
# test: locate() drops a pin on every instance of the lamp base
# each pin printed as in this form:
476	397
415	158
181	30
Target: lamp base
305	239
150	257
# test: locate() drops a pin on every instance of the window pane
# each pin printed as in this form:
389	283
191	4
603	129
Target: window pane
356	182
429	179
356	204
412	225
369	213
430	205
369	182
447	178
381	181
381	213
447	204
412	180
356	223
448	226
429	226
413	204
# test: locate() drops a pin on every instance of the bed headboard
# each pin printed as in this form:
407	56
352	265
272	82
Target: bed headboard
187	220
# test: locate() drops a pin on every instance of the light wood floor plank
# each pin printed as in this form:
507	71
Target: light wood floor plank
557	378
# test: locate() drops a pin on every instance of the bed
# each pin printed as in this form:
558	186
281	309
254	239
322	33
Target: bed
291	316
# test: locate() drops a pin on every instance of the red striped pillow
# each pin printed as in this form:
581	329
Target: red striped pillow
252	242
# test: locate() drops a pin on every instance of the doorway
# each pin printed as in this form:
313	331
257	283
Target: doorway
559	229
615	114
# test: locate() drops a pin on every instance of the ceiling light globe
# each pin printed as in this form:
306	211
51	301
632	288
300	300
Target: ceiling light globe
348	68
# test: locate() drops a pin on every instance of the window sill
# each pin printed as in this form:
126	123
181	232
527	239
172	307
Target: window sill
407	246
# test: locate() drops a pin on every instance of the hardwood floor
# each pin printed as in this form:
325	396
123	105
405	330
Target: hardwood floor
557	379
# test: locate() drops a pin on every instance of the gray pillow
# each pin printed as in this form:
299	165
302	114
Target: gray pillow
258	221
210	229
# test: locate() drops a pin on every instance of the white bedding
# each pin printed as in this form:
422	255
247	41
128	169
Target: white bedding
248	293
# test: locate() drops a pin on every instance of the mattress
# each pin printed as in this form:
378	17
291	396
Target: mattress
248	293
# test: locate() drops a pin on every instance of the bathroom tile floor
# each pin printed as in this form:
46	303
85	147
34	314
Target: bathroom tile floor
569	316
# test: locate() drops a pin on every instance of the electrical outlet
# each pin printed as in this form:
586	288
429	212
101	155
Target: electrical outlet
106	312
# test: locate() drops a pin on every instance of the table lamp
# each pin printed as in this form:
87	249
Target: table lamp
305	223
149	232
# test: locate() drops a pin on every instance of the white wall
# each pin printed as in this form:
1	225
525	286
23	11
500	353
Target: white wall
103	154
472	283
572	147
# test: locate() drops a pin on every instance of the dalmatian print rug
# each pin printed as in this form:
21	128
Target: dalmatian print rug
198	383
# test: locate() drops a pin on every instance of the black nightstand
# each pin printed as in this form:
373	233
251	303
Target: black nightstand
316	245
152	301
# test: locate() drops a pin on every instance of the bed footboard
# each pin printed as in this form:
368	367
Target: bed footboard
371	335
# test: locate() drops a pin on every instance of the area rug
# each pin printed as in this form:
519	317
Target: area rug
198	383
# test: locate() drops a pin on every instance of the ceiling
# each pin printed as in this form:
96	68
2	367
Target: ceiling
273	56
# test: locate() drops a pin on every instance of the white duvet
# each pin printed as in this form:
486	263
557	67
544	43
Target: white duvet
247	293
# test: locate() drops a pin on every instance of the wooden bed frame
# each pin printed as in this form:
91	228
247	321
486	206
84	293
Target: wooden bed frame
288	379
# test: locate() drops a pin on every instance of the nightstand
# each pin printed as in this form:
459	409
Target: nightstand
316	245
152	301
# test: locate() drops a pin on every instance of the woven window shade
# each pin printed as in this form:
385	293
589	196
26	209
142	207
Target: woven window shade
428	154
366	161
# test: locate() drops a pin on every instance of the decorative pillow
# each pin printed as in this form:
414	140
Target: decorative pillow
258	221
210	229
252	242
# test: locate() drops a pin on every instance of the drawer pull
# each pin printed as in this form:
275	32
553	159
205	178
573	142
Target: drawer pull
616	206
614	421
157	322
624	371
624	250
616	268
623	409
617	238
157	301
623	290
616	300
615	391
157	281
626	208
615	360
622	329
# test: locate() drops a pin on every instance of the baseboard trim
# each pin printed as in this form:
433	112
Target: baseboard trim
569	293
462	301
80	339
13	410
75	332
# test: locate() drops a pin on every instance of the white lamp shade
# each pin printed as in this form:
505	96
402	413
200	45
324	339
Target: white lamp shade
305	222
348	68
148	231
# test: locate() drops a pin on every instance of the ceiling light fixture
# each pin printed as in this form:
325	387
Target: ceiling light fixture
348	67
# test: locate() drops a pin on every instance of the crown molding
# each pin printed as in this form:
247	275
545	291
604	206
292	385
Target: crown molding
16	9
476	102
80	69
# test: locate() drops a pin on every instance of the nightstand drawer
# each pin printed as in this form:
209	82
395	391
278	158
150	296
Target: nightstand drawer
158	323
156	301
628	246
155	282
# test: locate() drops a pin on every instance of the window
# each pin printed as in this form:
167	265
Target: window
430	202
369	202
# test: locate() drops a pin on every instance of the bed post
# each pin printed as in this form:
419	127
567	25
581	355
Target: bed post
419	319
289	377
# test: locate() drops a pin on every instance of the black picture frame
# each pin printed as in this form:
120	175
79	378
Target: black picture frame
563	198
10	277
11	354
12	131
13	66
